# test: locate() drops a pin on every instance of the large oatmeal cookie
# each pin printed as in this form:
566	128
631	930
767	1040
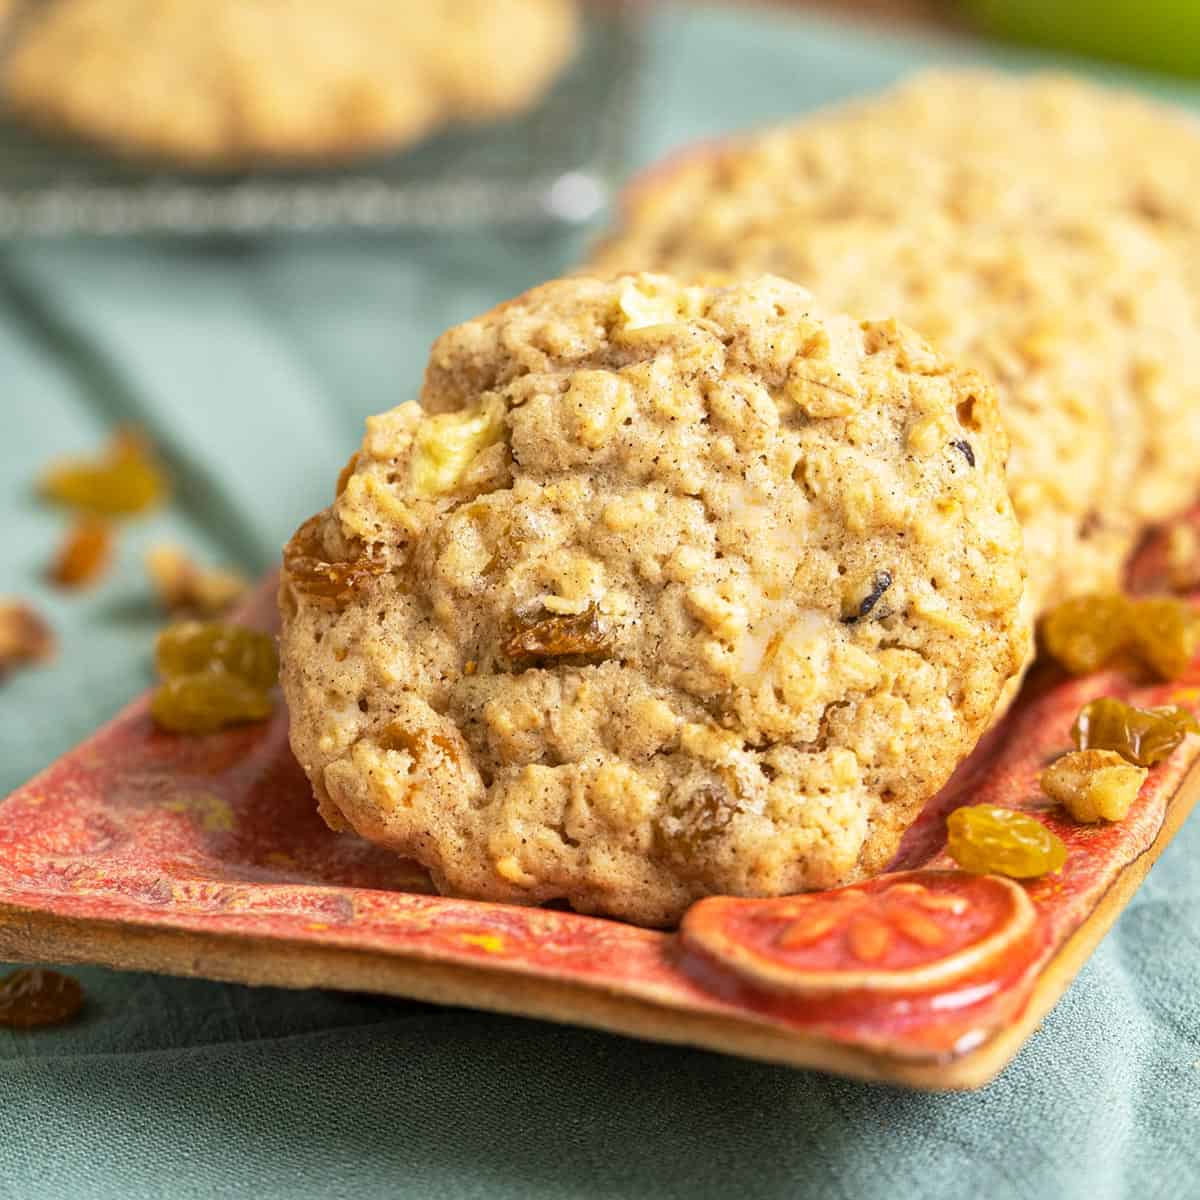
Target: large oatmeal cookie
664	591
222	83
1041	229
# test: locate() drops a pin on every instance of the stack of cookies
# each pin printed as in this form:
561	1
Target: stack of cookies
678	584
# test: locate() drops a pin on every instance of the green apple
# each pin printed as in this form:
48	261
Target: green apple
1161	34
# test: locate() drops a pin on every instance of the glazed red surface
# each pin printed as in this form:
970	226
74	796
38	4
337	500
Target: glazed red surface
862	927
219	834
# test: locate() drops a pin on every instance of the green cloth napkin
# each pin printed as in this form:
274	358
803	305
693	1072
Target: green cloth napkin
253	366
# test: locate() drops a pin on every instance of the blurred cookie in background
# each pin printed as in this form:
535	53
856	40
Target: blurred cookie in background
1039	228
214	84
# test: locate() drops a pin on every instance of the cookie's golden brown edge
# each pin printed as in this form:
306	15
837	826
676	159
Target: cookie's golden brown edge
31	935
36	96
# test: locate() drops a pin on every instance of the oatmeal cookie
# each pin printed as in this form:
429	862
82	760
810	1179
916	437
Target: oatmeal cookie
1041	229
661	591
225	83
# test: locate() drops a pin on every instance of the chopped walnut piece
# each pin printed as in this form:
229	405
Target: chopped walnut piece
84	555
184	587
1093	785
24	636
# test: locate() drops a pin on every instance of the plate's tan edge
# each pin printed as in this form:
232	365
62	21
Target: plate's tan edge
32	935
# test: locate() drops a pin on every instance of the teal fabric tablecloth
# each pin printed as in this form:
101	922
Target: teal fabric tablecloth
253	365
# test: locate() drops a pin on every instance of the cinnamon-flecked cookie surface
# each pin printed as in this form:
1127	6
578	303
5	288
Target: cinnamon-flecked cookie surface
1042	229
664	591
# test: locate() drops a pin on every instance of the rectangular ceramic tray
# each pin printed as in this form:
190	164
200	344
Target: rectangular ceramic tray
554	164
205	856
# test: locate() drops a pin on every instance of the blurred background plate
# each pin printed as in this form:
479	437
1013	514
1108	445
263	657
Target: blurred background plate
552	165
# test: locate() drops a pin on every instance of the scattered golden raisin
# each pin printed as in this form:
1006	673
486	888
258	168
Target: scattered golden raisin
214	675
206	701
573	635
183	587
1142	736
84	554
122	480
314	575
191	646
986	839
1166	634
1093	785
24	636
35	997
1086	633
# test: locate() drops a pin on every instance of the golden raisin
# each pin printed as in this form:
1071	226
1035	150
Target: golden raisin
206	701
986	839
1166	634
1093	785
35	997
418	744
84	555
1087	633
192	646
314	575
24	636
574	635
1142	736
122	480
691	823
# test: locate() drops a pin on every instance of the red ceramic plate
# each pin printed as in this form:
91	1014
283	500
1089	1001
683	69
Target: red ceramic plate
205	856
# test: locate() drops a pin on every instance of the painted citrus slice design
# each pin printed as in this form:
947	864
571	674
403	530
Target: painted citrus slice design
910	932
